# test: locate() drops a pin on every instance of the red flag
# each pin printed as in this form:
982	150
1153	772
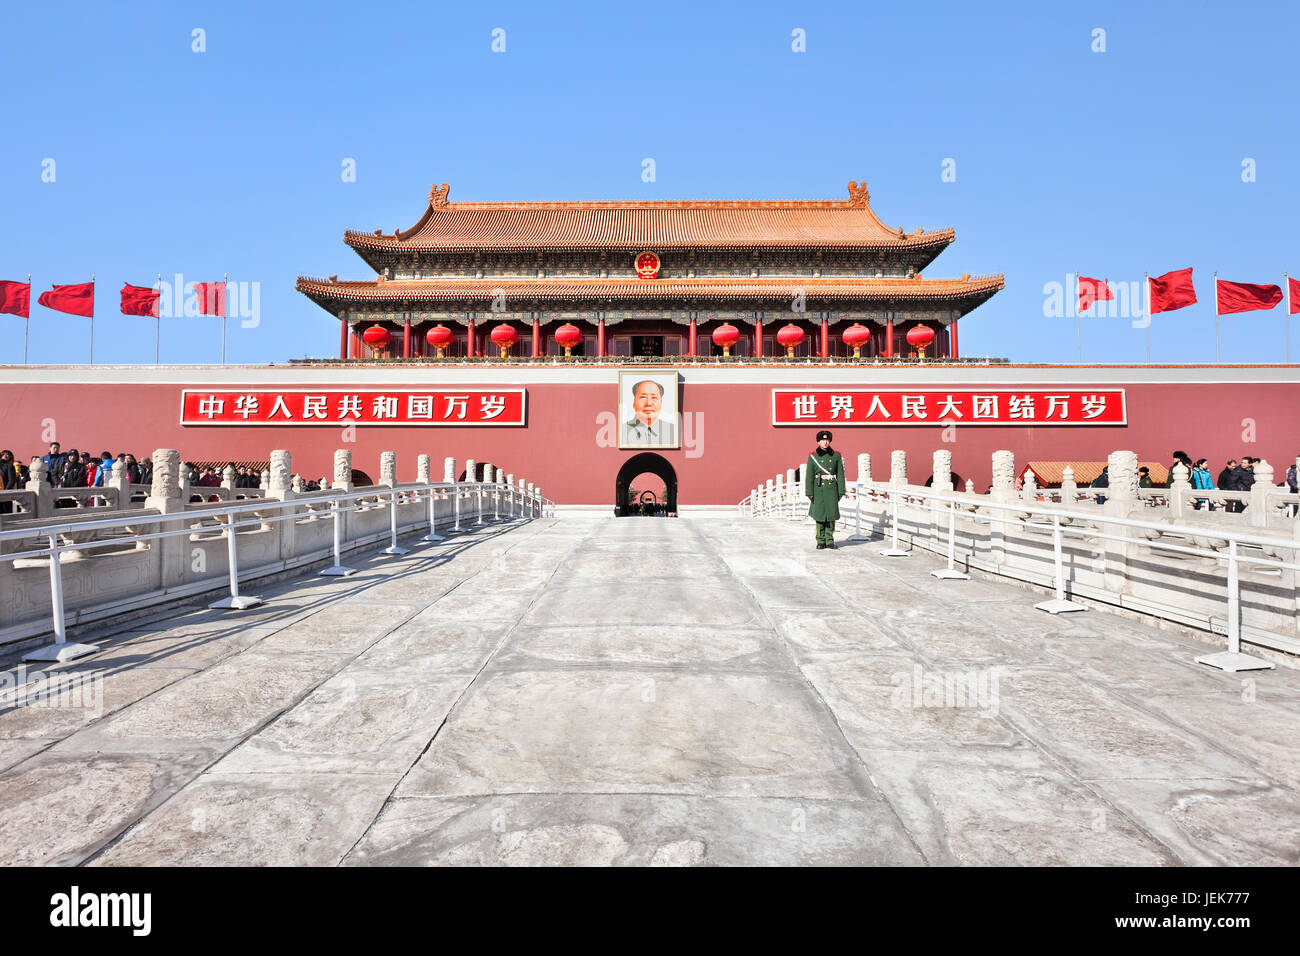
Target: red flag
1093	290
1173	290
212	297
139	300
72	299
1293	290
1245	296
16	298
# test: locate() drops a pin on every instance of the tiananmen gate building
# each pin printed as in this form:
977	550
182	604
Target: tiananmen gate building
586	345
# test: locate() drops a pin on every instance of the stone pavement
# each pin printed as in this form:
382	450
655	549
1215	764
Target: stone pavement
651	691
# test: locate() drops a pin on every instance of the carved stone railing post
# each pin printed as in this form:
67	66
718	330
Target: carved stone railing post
1069	488
165	497
1180	489
342	470
1029	487
165	491
449	470
942	471
471	474
279	482
282	485
1004	476
38	483
228	478
343	482
898	467
864	467
1257	513
422	466
1122	474
388	469
117	486
1003	489
1121	500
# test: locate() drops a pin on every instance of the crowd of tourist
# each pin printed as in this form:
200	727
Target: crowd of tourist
1236	475
78	469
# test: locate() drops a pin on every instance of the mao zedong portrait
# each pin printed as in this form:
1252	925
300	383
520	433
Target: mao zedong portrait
646	426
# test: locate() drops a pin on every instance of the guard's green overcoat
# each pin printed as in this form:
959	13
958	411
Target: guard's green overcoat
825	497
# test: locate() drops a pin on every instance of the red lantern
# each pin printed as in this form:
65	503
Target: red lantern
856	336
568	336
919	337
726	335
504	336
377	337
440	337
790	337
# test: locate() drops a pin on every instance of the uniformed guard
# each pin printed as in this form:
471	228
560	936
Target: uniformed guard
823	483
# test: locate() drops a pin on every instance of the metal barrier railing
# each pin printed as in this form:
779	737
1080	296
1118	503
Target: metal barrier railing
528	503
1067	521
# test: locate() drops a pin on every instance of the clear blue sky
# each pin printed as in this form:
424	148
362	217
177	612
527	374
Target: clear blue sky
229	160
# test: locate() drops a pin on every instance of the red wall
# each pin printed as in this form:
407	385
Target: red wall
737	447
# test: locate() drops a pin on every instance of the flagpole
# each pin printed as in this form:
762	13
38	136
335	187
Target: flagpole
1078	324
225	278
27	324
1286	316
1146	277
92	325
157	320
1218	355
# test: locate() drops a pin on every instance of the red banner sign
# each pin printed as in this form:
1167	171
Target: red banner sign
333	406
989	406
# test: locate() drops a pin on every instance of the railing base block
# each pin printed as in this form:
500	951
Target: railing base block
433	538
60	652
1059	607
895	553
239	603
857	537
1228	661
338	571
396	550
944	574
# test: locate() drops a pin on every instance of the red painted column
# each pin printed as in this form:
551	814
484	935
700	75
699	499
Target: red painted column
537	337
758	336
600	336
470	340
356	343
889	339
343	339
826	338
693	351
952	339
406	339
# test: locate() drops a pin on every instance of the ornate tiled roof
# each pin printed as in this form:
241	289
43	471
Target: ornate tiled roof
637	225
461	289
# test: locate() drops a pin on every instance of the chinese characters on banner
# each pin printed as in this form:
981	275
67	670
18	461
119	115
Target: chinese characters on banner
478	406
854	406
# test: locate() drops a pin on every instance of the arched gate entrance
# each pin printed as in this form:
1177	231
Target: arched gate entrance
658	503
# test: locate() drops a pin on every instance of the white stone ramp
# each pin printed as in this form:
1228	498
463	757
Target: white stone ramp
652	691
